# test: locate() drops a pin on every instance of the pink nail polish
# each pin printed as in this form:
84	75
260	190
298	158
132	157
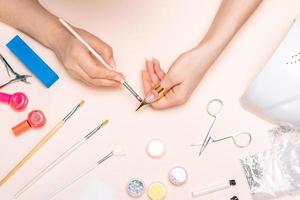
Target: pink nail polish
35	119
151	96
18	101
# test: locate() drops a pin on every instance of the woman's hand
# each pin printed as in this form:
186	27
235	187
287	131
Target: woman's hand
81	64
181	79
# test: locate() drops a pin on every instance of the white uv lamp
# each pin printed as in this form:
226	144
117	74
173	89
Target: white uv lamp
275	93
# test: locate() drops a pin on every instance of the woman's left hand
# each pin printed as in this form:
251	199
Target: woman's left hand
181	79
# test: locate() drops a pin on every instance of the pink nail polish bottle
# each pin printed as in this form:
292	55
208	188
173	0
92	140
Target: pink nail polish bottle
35	119
18	101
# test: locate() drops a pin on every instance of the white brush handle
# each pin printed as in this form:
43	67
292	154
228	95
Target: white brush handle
50	167
76	178
97	56
70	182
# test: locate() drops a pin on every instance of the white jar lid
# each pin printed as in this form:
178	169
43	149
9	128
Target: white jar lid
155	148
178	176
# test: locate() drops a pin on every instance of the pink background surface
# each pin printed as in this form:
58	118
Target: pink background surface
140	29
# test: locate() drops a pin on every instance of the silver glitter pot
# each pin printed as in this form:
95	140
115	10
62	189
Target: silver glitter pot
135	188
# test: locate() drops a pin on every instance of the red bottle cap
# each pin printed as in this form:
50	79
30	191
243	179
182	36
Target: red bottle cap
36	119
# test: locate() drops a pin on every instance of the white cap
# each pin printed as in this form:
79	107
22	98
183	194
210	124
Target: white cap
178	176
155	148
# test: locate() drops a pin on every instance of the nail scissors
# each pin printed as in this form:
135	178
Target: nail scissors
240	140
18	77
214	108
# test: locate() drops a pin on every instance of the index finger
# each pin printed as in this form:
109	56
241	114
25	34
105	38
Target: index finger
95	70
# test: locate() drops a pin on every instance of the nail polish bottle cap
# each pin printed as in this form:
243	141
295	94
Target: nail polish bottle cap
36	119
4	97
18	101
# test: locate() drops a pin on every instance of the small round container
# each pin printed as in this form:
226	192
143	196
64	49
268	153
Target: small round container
178	176
157	191
35	119
155	148
135	188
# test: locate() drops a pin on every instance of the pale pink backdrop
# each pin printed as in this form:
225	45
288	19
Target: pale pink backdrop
140	29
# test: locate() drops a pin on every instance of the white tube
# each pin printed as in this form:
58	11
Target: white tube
213	188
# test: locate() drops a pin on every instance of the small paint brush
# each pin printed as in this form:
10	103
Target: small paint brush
160	92
41	143
146	101
60	158
117	151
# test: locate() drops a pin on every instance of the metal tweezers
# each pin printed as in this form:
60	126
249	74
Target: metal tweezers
10	70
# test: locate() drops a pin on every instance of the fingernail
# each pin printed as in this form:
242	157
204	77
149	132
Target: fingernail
150	96
118	78
154	59
112	62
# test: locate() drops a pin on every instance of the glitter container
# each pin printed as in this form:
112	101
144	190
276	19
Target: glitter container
178	176
135	188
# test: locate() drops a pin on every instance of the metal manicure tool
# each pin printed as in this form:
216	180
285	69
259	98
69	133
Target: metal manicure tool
214	108
10	70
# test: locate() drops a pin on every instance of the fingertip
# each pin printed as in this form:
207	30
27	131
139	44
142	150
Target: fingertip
118	78
112	62
148	63
144	68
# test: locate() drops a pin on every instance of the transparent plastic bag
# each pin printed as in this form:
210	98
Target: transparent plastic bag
275	172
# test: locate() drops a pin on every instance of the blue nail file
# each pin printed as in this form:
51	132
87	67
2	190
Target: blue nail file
32	61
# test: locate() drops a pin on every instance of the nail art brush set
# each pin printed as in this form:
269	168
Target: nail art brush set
117	151
60	158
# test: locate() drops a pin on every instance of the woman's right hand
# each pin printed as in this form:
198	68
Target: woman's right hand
81	64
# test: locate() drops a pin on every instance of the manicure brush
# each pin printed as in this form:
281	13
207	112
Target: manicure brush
98	57
117	152
149	99
59	159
